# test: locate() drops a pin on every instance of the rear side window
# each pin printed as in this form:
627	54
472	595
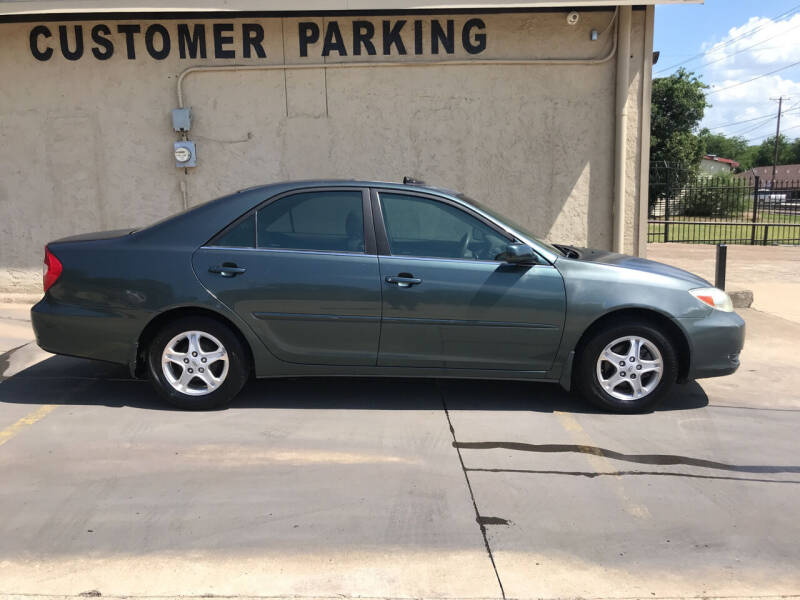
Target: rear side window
241	235
327	220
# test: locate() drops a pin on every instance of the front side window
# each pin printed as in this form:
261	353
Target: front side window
326	220
418	226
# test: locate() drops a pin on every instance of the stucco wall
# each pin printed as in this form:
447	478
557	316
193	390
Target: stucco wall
87	144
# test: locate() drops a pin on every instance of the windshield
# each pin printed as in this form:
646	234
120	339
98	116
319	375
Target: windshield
510	222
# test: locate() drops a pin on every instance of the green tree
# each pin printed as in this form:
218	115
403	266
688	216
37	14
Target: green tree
765	152
794	153
678	105
748	159
735	148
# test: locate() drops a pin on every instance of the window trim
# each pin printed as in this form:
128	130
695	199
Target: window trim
366	215
383	237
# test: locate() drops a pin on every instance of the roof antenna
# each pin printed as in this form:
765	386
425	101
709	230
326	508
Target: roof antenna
411	181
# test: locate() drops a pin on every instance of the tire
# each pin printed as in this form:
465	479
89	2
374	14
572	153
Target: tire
213	349
642	382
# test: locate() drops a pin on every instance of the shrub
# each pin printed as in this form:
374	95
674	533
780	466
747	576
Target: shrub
722	196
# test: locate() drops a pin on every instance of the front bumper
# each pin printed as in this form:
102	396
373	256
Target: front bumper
715	342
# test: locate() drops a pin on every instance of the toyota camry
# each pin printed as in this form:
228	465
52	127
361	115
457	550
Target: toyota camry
331	278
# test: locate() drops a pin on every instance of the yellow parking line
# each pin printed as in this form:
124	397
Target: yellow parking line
29	419
600	463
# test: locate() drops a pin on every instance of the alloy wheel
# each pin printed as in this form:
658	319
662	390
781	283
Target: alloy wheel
630	368
195	363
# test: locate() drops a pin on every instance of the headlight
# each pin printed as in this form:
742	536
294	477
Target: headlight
714	297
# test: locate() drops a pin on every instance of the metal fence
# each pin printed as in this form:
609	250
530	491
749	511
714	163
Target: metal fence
725	209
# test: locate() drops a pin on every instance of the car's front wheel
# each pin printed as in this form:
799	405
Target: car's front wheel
626	367
197	363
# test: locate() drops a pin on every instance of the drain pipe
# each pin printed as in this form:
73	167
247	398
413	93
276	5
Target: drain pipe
621	141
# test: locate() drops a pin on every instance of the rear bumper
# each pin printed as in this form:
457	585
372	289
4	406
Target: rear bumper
716	342
76	331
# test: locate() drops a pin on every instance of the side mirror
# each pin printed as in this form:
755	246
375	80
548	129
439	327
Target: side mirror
518	254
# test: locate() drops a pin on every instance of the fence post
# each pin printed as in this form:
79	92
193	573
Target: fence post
722	266
666	206
757	180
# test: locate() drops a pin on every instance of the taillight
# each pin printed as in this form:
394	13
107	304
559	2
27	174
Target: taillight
52	269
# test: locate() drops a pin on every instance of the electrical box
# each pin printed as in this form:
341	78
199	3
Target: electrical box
181	119
185	154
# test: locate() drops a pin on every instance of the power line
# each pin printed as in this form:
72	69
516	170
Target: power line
792	108
735	85
761	137
734	123
789	12
757	126
754	128
745	49
759	123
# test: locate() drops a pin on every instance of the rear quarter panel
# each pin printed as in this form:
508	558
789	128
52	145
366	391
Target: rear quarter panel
110	289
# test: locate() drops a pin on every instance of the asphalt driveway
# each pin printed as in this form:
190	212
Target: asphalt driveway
326	488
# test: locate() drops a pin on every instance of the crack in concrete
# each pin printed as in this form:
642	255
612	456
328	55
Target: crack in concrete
648	459
479	519
593	474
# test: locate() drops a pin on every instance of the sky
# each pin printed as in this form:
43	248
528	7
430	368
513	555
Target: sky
727	43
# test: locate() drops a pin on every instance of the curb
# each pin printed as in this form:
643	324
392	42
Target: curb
741	298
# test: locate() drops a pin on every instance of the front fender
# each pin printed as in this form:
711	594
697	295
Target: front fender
598	290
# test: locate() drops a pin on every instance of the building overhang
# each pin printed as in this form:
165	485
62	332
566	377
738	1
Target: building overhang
60	7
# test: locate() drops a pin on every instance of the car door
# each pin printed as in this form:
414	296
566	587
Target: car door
301	270
447	302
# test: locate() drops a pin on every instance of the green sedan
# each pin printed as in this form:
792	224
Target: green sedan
355	278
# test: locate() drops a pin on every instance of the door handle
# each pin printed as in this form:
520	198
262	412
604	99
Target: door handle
227	270
402	281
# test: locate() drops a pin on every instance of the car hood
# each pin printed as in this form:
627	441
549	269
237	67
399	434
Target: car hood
637	264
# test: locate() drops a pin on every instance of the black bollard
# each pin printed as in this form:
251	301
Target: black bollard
722	266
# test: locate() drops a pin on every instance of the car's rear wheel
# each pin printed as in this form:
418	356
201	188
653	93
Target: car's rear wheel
626	367
197	363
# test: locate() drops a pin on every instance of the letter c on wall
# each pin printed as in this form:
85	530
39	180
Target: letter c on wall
36	33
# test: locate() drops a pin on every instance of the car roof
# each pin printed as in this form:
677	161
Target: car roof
311	183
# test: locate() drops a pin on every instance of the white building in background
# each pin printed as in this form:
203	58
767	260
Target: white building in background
712	165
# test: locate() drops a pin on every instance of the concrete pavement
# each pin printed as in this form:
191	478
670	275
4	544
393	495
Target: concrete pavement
400	489
15	325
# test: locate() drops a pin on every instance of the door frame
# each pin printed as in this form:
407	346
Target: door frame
366	215
382	238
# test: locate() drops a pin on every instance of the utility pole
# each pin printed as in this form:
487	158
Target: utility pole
777	137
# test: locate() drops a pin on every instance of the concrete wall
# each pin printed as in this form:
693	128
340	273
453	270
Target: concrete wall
86	144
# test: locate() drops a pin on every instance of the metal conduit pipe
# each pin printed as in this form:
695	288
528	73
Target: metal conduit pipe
621	136
422	63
